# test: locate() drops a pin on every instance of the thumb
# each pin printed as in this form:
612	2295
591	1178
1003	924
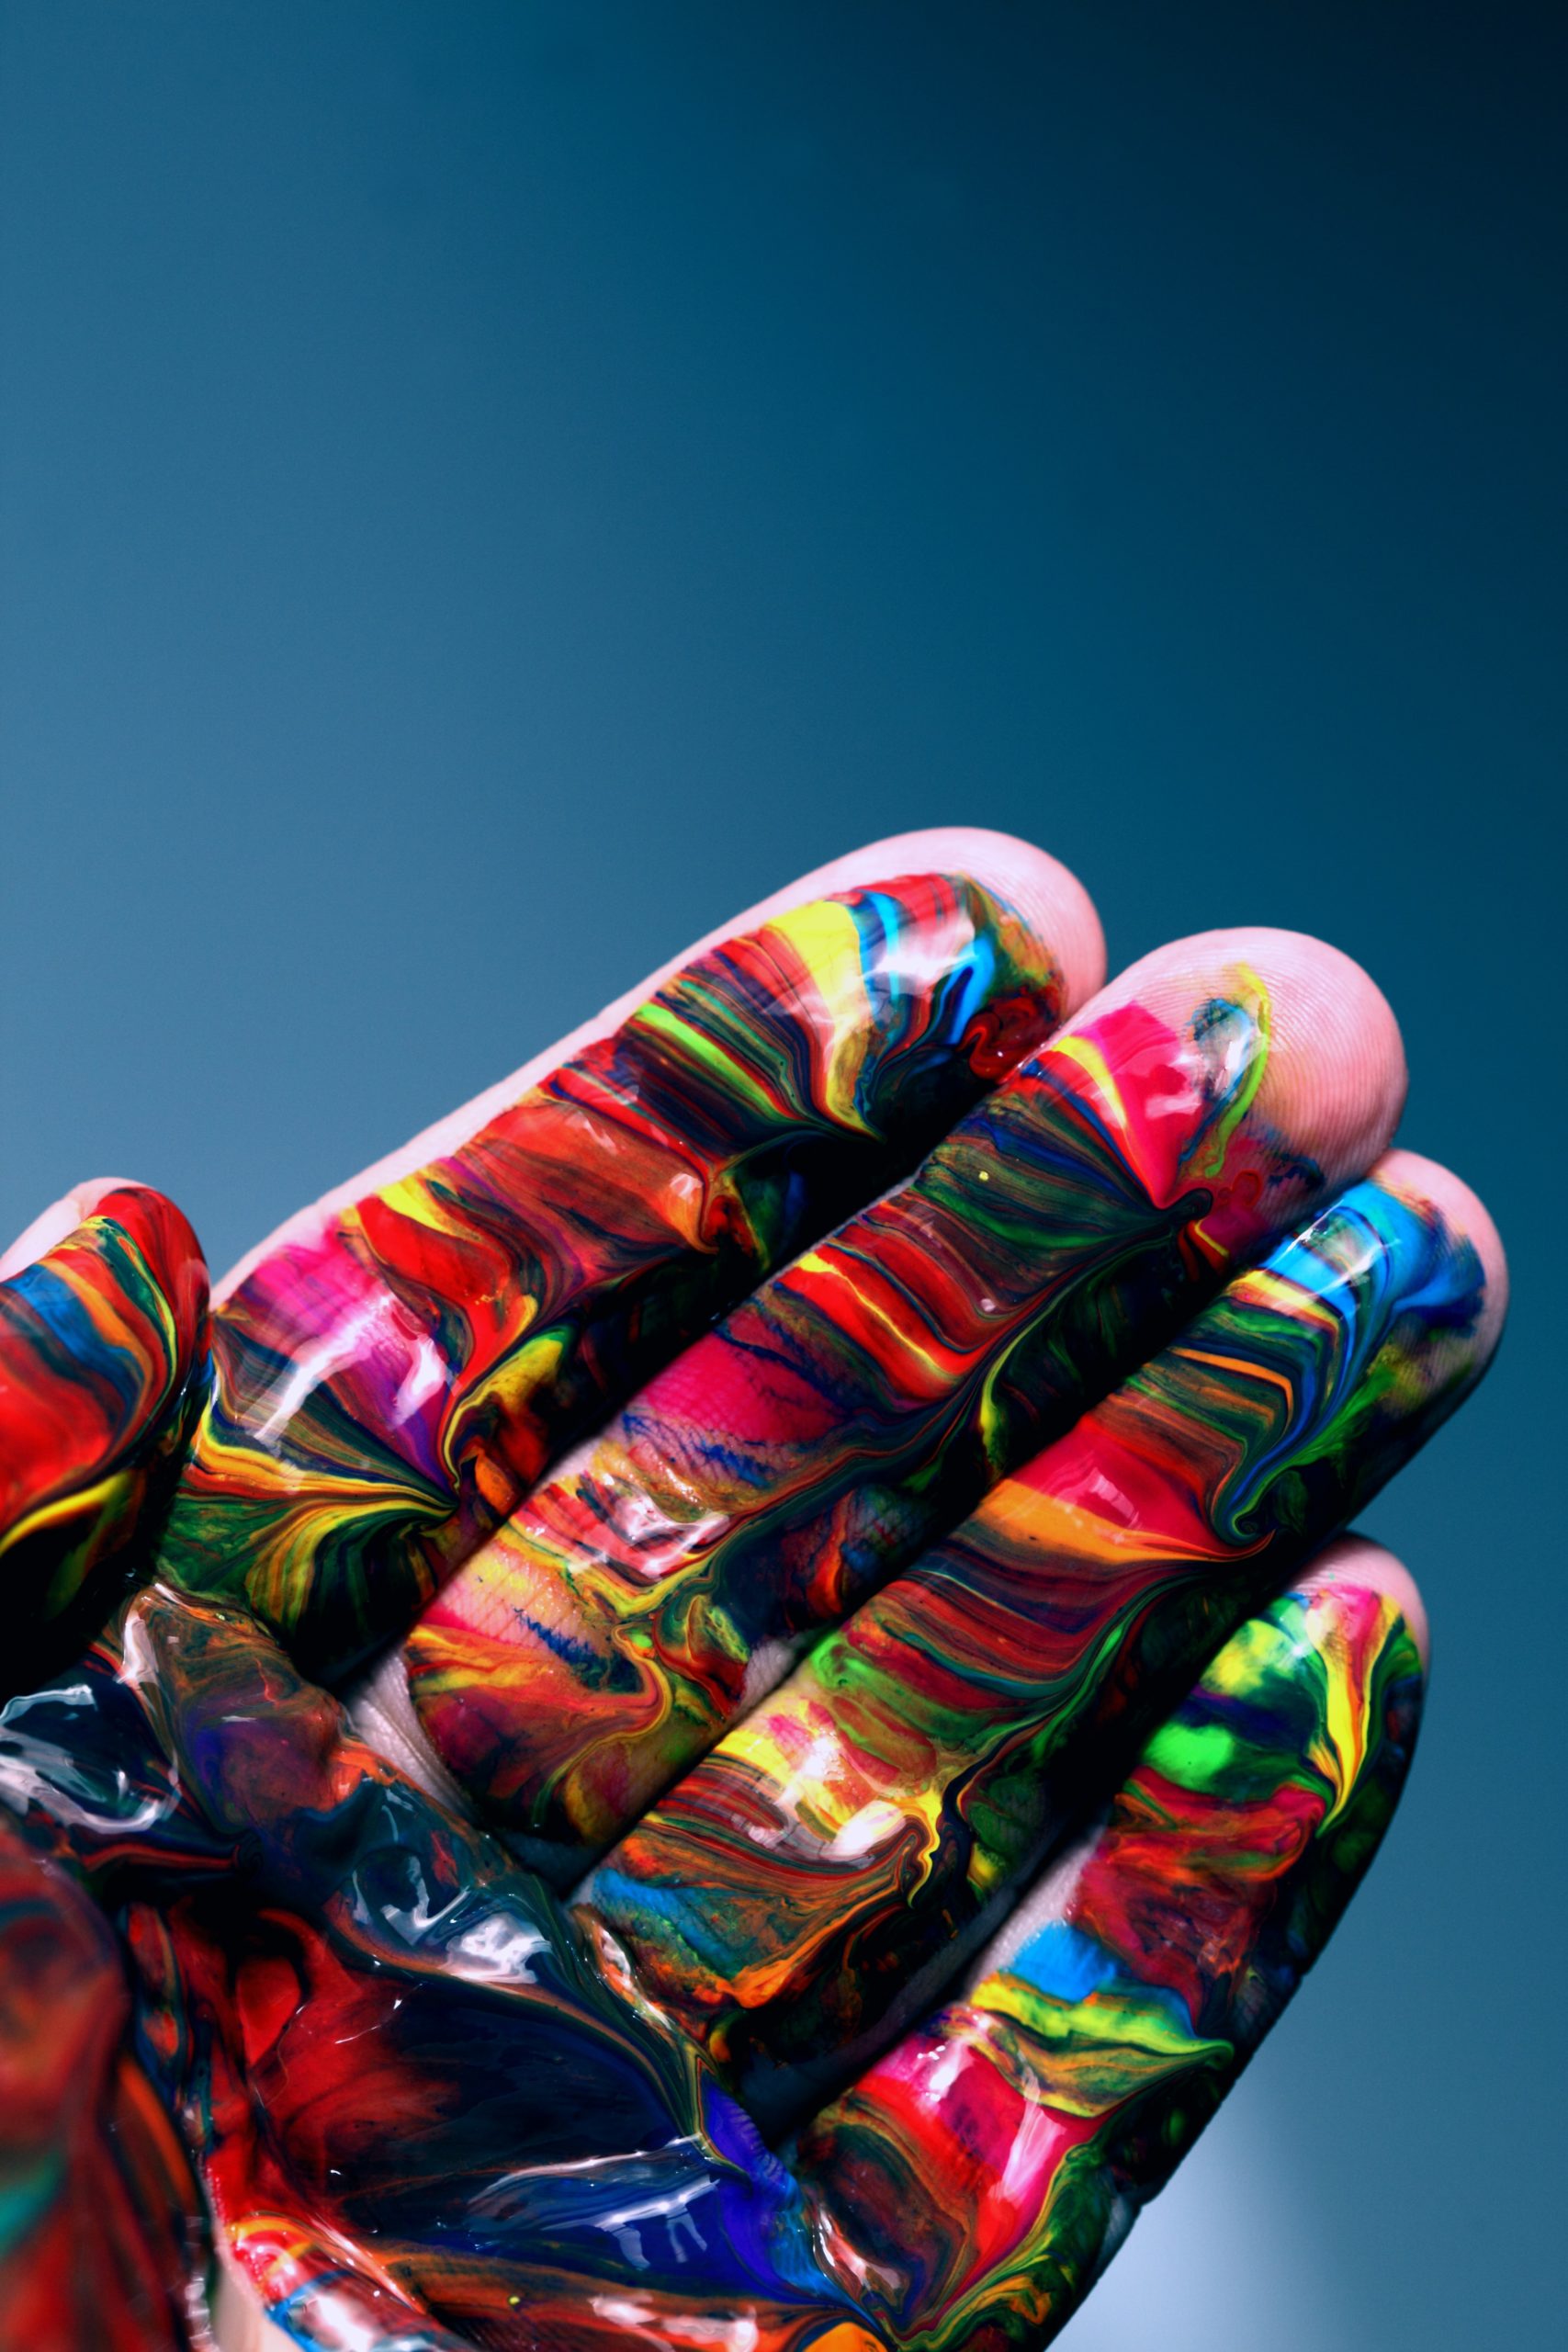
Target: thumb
103	1343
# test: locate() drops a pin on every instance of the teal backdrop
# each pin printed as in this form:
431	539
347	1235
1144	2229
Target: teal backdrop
487	491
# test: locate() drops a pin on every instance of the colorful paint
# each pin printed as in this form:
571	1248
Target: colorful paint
102	1360
103	2233
421	2100
854	1407
976	2181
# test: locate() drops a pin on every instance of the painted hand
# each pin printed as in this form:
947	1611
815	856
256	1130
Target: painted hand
819	1499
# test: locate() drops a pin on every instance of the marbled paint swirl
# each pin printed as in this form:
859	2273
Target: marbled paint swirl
975	2181
102	1362
102	2230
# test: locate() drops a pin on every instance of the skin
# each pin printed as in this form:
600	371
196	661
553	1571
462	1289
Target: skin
485	1527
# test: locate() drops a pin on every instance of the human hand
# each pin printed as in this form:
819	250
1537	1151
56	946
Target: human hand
854	1661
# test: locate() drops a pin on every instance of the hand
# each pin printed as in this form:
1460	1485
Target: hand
859	1606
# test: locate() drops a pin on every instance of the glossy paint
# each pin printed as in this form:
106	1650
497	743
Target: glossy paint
416	2091
102	1367
103	2234
976	2180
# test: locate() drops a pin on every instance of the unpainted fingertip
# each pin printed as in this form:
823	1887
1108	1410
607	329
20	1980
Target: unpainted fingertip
1356	1563
56	1224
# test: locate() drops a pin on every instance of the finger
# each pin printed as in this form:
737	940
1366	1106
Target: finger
865	1829
978	2180
103	1316
860	1402
400	1364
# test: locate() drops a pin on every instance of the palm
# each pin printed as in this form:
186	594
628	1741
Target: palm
818	1653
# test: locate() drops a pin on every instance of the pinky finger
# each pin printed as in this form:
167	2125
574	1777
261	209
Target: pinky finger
974	2184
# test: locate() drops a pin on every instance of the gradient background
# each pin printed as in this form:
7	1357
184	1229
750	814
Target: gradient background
486	491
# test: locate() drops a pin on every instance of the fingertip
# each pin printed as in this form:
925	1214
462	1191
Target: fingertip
1355	1564
1464	1215
1046	894
56	1224
1335	1083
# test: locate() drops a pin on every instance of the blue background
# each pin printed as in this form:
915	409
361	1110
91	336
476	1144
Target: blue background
486	491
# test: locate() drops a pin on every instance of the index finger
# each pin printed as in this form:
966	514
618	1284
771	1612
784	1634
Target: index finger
400	1364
